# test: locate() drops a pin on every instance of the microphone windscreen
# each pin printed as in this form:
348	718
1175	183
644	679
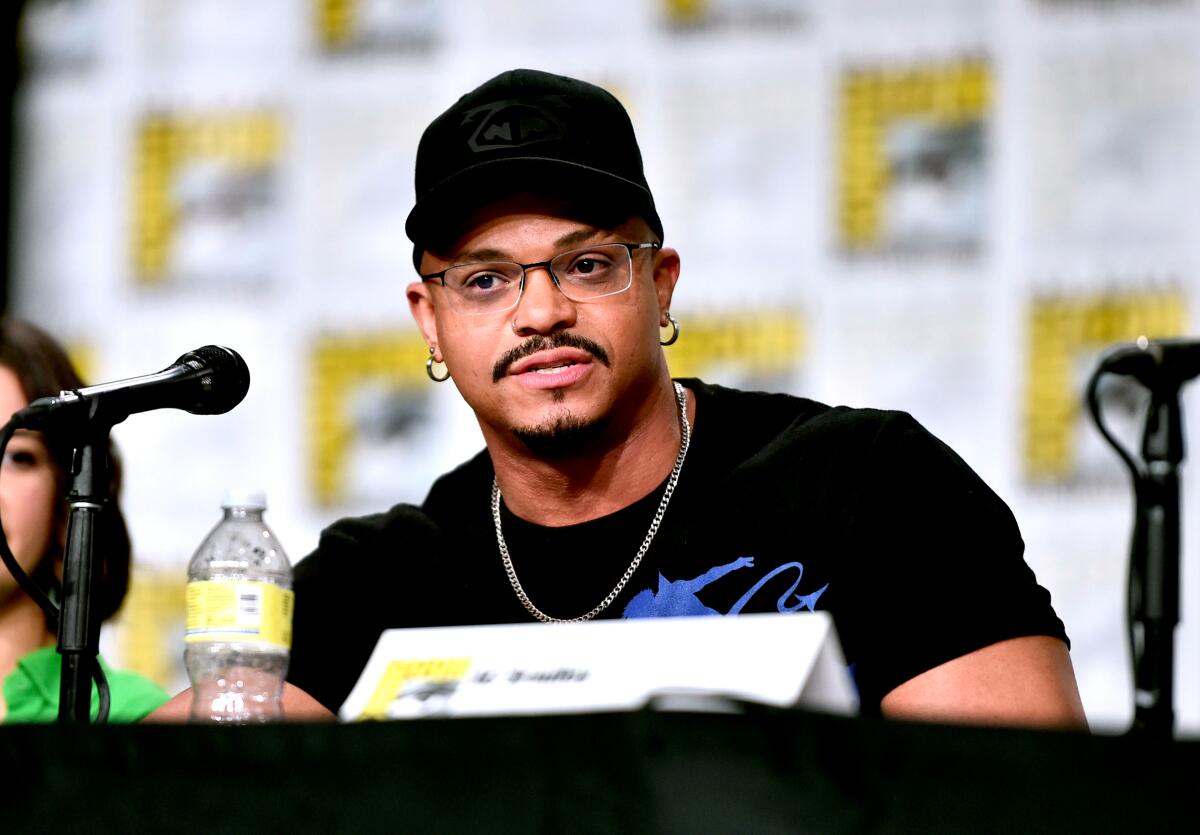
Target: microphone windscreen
223	375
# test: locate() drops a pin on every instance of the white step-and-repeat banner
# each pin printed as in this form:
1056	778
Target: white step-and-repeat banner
943	206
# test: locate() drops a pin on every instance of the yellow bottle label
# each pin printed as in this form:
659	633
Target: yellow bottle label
245	611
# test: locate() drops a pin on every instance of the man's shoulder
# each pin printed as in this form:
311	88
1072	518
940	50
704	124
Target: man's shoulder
766	420
747	404
369	530
469	482
403	527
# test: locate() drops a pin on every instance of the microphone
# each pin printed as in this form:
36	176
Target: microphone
1154	362
207	381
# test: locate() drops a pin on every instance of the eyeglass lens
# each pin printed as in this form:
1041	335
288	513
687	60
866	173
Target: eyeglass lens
581	274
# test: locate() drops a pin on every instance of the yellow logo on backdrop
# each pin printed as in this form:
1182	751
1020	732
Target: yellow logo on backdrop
760	342
335	22
873	100
166	145
339	365
1065	335
150	624
686	12
83	356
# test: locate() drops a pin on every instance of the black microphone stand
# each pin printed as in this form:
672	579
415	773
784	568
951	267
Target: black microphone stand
1154	564
1162	367
79	620
208	381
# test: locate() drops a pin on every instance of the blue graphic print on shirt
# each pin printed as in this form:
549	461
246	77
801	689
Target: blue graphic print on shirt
680	598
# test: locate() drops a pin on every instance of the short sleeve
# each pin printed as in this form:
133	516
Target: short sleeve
937	568
365	576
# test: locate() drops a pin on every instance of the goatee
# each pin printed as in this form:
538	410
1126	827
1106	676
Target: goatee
560	437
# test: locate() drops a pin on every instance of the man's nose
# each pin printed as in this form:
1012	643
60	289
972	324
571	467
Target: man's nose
542	307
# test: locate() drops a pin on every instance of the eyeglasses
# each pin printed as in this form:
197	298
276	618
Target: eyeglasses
581	275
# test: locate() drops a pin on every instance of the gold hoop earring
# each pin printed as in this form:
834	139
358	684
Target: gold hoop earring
429	369
674	330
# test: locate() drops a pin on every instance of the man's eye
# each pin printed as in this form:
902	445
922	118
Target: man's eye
484	282
590	266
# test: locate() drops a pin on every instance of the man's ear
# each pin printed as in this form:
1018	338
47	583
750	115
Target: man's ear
421	305
666	274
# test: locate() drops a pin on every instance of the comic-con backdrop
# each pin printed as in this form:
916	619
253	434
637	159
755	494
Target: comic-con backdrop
943	206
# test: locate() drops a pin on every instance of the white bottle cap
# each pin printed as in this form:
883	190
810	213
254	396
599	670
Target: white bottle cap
240	497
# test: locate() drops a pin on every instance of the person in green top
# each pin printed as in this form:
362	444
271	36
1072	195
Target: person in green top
33	484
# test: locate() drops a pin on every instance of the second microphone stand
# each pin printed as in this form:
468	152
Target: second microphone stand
1162	367
1154	565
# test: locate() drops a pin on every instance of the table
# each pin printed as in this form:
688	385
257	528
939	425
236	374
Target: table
760	771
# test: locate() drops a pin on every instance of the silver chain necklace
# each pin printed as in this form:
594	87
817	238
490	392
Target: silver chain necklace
684	442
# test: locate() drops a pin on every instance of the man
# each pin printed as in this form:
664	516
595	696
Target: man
609	490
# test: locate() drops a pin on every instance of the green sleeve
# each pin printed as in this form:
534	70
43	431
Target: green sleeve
31	691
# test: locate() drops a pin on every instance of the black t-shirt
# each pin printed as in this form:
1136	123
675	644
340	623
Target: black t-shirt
783	505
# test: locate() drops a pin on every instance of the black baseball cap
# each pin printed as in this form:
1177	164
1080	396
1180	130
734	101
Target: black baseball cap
528	131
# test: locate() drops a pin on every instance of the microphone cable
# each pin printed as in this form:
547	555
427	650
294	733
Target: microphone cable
1136	475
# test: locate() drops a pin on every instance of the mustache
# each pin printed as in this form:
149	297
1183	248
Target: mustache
560	339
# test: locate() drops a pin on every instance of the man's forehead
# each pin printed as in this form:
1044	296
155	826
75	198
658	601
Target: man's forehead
500	246
498	231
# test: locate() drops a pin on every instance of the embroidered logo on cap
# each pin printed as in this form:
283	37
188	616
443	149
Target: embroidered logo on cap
511	124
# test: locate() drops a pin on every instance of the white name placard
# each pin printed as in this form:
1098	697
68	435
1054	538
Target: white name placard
773	659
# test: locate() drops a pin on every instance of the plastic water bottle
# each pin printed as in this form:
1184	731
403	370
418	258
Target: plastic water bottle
239	617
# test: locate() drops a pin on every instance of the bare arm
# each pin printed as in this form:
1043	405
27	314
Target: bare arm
298	706
1020	682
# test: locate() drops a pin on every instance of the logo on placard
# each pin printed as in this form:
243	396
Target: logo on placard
412	688
415	687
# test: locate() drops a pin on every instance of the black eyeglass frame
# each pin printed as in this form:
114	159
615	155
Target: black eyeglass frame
441	274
